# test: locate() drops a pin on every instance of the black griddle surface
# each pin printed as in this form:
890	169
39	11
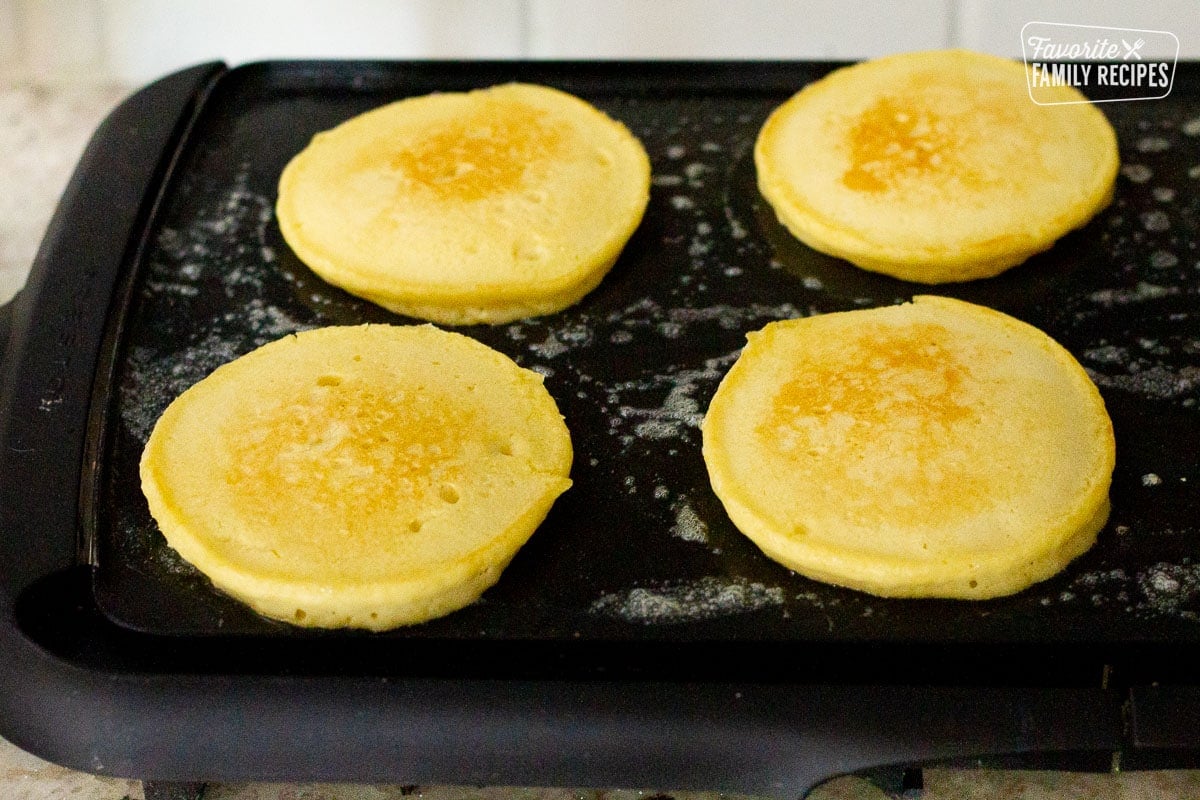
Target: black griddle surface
640	550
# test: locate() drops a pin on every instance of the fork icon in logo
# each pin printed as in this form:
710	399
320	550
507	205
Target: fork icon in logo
1131	50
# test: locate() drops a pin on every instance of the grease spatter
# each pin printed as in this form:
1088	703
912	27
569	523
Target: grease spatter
160	379
1107	354
223	239
550	347
1153	144
171	287
706	598
688	524
1141	292
1161	259
1137	173
737	230
679	412
1156	381
1156	221
266	321
1170	590
559	340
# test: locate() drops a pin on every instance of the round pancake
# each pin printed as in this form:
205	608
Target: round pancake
932	449
368	476
934	167
484	206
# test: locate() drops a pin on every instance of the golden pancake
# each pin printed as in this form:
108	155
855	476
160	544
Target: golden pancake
936	166
932	449
485	206
366	477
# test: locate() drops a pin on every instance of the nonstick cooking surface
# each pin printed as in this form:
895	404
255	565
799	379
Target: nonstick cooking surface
639	548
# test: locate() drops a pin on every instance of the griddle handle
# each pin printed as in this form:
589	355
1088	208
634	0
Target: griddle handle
51	337
53	330
771	740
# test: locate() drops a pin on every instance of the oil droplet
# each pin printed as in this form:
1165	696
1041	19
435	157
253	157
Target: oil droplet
1156	221
1161	259
1152	144
1137	173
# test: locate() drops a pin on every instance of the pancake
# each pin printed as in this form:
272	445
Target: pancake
932	449
934	167
458	208
368	476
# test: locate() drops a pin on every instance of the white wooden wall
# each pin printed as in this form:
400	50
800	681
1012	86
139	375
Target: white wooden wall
134	41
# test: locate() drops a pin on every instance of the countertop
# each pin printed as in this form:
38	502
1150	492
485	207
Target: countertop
43	130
